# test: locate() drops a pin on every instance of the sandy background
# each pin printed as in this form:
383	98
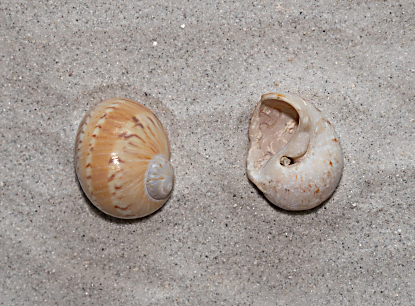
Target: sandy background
201	66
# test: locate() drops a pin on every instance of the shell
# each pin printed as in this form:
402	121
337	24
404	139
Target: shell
122	155
295	157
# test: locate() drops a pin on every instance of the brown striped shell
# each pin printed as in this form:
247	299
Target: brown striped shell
122	158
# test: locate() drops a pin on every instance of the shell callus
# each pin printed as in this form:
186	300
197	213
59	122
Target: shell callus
159	180
295	157
122	157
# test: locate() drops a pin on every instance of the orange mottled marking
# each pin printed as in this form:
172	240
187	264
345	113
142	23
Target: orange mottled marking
122	208
151	131
131	144
114	175
151	120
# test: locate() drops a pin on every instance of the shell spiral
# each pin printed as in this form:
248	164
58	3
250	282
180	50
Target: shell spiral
122	155
295	157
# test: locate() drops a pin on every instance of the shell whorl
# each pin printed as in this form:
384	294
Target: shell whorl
295	157
122	159
159	178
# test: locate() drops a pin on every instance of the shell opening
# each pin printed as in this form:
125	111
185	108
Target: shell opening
159	178
286	161
278	122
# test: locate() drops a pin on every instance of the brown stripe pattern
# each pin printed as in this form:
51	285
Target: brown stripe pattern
114	145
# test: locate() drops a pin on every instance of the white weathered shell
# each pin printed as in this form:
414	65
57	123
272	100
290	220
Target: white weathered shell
295	157
122	159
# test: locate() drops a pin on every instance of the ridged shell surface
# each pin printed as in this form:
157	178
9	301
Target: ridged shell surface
122	159
295	157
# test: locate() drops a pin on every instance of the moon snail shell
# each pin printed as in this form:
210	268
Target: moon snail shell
295	157
122	159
